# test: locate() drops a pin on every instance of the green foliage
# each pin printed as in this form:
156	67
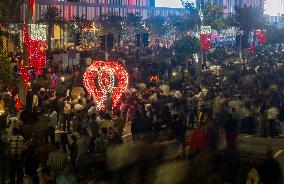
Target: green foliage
5	68
111	24
157	26
182	24
133	22
213	16
187	46
248	18
77	26
10	11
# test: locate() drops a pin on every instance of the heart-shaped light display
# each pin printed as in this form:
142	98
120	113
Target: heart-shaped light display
105	78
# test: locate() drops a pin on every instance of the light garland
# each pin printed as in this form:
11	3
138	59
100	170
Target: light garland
18	105
205	40
260	35
99	80
252	49
37	56
24	73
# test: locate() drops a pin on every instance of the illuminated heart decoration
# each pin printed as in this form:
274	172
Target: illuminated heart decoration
104	78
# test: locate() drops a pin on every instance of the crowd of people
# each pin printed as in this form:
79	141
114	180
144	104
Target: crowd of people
184	115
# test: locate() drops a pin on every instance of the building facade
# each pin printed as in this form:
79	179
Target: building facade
229	5
93	9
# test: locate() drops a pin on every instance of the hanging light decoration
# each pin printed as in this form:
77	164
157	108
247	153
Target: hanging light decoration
205	40
24	73
103	79
36	48
252	49
18	103
260	35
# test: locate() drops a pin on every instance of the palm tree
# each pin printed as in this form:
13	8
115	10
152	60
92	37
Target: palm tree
50	17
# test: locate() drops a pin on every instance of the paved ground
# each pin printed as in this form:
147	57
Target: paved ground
259	145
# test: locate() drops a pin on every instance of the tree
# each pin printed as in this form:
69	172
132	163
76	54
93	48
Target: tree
187	46
51	16
9	11
157	26
248	18
111	24
182	24
213	16
77	27
133	22
5	68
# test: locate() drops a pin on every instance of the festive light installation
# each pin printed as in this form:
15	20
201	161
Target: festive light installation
260	35
103	79
252	49
24	73
205	40
37	56
18	105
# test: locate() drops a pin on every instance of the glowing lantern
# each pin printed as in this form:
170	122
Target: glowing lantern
105	79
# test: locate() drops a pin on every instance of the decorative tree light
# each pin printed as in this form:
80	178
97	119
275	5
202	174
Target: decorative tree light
18	103
24	73
37	56
205	40
103	79
252	49
260	35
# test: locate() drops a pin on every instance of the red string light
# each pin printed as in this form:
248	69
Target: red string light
24	73
252	49
260	35
105	78
36	48
18	105
205	40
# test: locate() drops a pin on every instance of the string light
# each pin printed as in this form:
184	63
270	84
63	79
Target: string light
252	49
260	35
18	105
36	48
24	73
105	78
205	40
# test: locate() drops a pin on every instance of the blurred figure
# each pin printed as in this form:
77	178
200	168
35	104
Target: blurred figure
16	148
